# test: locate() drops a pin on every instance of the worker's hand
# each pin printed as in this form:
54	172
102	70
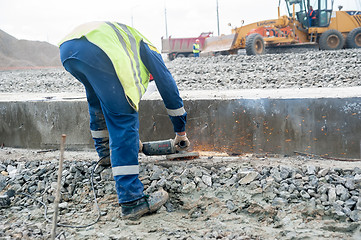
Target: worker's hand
181	141
140	146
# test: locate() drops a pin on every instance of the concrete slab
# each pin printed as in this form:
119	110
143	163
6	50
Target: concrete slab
318	120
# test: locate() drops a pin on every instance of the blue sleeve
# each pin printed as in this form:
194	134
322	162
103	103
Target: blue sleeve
166	85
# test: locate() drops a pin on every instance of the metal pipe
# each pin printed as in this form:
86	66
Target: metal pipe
165	17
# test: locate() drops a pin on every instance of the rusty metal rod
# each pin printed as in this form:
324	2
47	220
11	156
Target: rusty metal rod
57	197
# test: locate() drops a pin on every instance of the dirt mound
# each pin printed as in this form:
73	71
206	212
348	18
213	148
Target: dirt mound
16	53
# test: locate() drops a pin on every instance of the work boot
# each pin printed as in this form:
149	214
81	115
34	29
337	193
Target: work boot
147	204
104	161
102	164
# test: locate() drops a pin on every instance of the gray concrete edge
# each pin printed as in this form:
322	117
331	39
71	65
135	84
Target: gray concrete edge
282	121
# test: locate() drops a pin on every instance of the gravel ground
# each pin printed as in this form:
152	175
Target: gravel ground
214	197
312	69
300	70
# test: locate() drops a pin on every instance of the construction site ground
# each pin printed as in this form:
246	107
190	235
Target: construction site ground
248	196
203	214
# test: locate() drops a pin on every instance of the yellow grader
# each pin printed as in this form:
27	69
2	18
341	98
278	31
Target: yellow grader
319	26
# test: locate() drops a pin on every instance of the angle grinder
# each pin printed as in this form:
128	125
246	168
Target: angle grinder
168	148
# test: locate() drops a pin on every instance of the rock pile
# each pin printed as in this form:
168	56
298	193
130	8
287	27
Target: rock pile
291	70
196	186
39	81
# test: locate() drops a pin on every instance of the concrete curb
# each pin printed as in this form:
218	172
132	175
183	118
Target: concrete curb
282	121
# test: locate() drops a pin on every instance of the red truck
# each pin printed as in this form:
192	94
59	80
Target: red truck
182	47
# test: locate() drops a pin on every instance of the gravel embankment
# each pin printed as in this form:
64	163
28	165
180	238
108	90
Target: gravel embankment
312	69
299	70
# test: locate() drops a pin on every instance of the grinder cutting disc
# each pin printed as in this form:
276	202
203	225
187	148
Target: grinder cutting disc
183	155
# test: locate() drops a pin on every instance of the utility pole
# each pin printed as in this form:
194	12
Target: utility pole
132	14
217	18
132	18
165	17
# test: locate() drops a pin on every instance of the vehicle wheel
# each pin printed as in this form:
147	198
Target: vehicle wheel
170	57
180	55
353	39
331	40
254	44
191	55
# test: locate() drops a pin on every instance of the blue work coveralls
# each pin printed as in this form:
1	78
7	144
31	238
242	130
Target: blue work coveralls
113	121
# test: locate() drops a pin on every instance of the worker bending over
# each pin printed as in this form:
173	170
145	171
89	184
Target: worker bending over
113	62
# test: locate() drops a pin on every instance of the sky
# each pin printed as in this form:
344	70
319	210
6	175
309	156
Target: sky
50	20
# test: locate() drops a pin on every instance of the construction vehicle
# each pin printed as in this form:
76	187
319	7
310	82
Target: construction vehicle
327	30
182	47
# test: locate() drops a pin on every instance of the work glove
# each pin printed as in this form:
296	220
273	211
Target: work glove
140	146
181	142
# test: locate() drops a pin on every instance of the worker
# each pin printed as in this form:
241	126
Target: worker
312	15
113	62
196	48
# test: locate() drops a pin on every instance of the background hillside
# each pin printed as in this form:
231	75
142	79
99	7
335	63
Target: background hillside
16	53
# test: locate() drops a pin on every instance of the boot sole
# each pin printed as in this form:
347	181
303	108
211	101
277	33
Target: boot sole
152	207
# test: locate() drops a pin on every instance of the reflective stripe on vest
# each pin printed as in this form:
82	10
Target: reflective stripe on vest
312	17
121	44
133	46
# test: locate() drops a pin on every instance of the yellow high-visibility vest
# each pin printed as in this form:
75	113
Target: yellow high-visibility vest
196	48
121	44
